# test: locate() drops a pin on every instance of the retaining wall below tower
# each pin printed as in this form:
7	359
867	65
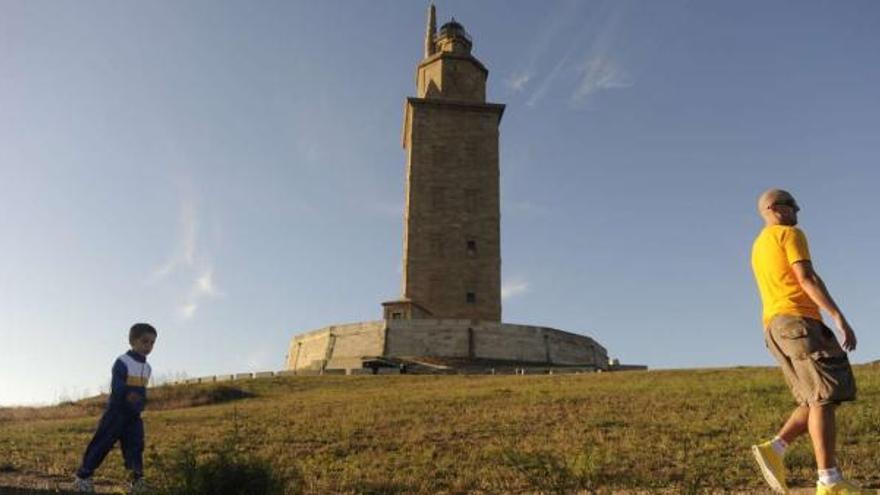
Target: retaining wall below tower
312	350
348	346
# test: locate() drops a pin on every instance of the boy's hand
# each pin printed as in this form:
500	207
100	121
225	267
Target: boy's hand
133	397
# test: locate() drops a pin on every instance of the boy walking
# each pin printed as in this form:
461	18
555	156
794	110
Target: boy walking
814	364
122	418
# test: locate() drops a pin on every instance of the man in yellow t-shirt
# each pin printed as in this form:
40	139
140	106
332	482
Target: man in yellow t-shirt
814	364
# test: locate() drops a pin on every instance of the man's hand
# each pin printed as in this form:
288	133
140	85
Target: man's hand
815	288
133	397
846	333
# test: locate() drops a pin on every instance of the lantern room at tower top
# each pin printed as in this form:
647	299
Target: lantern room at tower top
449	70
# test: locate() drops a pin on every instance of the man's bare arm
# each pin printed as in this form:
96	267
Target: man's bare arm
815	288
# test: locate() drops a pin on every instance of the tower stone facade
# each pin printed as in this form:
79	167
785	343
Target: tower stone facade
451	247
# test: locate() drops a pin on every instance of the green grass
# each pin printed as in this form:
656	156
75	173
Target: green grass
685	431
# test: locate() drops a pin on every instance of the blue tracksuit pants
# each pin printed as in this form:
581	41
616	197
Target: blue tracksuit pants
115	425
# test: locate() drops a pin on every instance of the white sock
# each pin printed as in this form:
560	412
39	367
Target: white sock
830	476
779	445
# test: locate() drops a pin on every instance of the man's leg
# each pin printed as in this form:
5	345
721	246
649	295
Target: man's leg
823	432
770	454
796	425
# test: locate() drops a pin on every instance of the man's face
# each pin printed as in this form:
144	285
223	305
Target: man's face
786	209
143	345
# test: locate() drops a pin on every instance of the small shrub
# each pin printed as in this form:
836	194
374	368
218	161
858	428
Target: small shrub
221	474
228	468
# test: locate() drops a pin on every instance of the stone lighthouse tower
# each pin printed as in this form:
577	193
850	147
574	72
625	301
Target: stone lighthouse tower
448	316
451	241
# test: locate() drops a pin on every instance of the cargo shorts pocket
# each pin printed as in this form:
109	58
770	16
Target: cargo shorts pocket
834	381
792	335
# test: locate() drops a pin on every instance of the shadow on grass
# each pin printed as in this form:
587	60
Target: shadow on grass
29	491
549	472
380	488
178	397
160	398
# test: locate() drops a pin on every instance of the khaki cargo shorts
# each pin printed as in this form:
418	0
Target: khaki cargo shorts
815	366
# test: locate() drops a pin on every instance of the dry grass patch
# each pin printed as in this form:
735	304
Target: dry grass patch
680	431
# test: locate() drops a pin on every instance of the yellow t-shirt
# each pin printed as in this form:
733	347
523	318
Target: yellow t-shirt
774	251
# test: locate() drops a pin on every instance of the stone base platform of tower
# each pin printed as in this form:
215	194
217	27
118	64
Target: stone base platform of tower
442	345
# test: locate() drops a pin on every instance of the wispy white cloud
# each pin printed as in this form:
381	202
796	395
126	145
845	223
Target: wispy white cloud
602	68
190	262
204	284
598	74
517	82
202	287
545	84
557	21
183	254
595	43
513	288
188	310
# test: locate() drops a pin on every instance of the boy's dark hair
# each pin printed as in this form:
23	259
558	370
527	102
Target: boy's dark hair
139	329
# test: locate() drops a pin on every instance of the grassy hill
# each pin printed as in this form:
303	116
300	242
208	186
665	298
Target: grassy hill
683	431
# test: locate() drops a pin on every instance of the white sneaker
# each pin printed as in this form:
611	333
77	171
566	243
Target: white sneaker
83	485
138	486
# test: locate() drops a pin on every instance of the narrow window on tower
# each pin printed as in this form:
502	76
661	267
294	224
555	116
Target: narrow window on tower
472	248
471	297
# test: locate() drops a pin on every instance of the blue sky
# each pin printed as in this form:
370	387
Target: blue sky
232	172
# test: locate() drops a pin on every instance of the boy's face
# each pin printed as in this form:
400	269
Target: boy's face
143	345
